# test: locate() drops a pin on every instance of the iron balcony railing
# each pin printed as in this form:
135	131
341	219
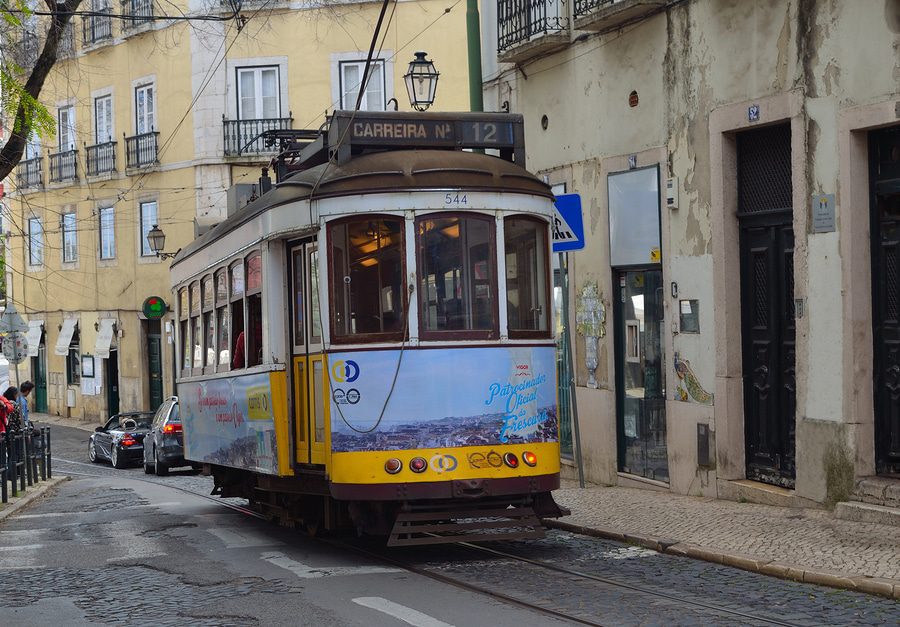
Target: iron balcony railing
584	7
101	158
243	137
30	173
141	150
518	21
67	42
96	28
62	166
139	12
30	49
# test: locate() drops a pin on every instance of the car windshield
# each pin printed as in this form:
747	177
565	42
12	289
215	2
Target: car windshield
142	420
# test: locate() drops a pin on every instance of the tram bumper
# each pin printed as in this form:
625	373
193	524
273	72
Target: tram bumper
450	489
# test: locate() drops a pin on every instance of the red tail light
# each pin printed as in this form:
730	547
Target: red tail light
511	460
529	458
393	466
172	427
128	441
418	464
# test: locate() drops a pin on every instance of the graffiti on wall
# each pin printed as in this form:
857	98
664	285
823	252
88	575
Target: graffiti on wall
689	387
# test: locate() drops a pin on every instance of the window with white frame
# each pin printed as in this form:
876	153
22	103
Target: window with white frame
351	77
103	118
66	128
69	238
108	233
35	242
259	93
33	147
144	109
149	217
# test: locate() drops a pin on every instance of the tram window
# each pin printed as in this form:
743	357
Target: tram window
315	334
254	272
223	323
237	334
367	278
525	251
184	314
198	342
237	280
209	322
254	326
299	304
221	287
457	274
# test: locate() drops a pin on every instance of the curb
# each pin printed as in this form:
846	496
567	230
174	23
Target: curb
889	588
30	495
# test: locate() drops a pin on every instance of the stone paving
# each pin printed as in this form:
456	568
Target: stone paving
800	538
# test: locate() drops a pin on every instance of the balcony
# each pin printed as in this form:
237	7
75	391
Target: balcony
141	150
30	173
243	137
96	28
601	15
101	159
29	49
140	14
528	28
62	166
66	49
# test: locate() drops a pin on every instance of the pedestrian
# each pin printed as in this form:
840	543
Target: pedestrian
10	406
24	391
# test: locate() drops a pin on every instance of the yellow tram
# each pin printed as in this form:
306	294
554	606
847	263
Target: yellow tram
369	344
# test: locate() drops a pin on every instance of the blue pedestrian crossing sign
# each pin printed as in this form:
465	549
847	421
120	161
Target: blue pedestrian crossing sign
568	226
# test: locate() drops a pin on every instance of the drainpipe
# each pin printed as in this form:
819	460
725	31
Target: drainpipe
473	32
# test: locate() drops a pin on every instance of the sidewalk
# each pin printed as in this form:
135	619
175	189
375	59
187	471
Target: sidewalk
50	419
801	544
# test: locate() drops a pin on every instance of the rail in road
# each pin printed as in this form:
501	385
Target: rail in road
453	565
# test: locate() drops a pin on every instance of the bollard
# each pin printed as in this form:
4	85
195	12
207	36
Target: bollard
4	496
35	453
20	459
43	457
49	456
26	445
11	462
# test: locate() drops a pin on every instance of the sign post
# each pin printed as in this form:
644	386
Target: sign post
15	344
568	235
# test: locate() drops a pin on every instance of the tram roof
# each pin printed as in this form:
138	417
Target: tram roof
384	172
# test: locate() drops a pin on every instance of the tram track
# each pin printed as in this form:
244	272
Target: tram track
709	610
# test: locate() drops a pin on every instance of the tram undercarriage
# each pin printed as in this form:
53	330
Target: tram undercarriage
305	502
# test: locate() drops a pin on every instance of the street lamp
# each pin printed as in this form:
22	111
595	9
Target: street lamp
157	240
421	82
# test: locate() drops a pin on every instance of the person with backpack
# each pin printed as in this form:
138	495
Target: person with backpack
9	410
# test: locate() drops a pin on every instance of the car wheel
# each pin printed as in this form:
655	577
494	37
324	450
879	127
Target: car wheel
161	469
117	462
92	453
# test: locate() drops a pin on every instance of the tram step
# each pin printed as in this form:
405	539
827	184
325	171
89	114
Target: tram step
470	525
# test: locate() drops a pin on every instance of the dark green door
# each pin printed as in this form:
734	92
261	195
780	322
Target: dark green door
112	383
154	363
39	372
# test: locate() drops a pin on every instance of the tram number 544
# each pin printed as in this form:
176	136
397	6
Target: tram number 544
455	200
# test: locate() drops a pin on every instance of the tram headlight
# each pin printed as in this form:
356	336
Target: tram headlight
418	464
393	466
511	460
529	458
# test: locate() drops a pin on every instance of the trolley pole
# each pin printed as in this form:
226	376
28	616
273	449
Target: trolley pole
473	32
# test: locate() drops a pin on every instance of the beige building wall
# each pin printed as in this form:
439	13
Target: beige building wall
831	70
193	69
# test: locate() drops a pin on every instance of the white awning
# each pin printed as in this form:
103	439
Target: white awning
104	337
65	336
35	329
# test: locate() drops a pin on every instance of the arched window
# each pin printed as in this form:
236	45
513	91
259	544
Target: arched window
184	318
223	323
209	322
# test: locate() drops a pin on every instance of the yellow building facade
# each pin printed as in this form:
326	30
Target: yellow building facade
157	120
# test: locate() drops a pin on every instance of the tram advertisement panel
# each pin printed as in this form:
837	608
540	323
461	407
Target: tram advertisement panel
230	422
442	398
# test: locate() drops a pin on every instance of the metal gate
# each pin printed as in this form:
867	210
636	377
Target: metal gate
885	193
765	216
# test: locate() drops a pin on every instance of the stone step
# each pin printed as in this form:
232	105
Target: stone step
868	513
882	491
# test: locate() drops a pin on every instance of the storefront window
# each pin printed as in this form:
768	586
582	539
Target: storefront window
525	251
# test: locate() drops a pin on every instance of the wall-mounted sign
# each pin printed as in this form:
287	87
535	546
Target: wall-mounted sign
823	213
154	308
753	113
568	225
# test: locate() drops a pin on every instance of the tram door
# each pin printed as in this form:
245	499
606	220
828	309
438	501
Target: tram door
309	365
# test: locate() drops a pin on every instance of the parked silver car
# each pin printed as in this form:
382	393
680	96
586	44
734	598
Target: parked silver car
164	444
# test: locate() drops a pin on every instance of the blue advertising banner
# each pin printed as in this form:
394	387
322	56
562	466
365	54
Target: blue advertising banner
442	398
230	422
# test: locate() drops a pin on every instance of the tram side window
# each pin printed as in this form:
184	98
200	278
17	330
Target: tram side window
197	326
237	315
525	251
254	310
457	274
367	278
209	323
184	311
222	319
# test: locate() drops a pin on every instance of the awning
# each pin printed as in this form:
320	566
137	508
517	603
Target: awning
65	336
35	329
104	337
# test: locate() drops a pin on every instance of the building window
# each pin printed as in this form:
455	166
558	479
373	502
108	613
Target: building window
351	77
254	310
33	147
69	238
525	250
367	278
66	128
457	275
73	360
103	119
149	218
35	242
145	109
107	233
259	94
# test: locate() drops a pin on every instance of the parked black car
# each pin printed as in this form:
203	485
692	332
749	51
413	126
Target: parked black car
121	439
164	444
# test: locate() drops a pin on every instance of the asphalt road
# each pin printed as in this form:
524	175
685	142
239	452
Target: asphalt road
119	547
